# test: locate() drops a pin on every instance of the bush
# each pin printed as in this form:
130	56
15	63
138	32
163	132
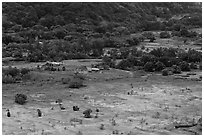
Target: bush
20	99
157	52
134	60
184	66
159	66
124	64
108	61
79	76
176	69
152	39
149	66
25	71
8	79
165	35
12	71
87	113
165	72
193	66
148	58
133	41
76	83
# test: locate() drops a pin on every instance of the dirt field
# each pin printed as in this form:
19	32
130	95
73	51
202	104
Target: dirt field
157	105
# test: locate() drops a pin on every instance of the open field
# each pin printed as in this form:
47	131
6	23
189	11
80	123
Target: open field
157	105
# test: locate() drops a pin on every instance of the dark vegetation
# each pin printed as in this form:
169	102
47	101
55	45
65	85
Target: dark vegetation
20	99
36	32
87	113
161	58
57	31
13	74
75	81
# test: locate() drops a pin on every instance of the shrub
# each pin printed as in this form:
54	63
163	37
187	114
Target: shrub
124	64
165	35
176	69
158	52
87	113
152	39
79	76
20	99
184	66
76	83
149	66
165	72
193	66
25	71
133	41
159	66
12	71
134	60
148	35
108	61
8	79
148	58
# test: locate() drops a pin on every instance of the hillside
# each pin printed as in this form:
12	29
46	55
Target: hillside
126	14
82	30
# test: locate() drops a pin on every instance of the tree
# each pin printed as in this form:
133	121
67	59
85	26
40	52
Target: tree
47	21
59	20
60	33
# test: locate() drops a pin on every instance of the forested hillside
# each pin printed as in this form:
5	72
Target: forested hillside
57	31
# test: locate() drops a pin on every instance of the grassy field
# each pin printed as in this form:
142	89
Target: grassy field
157	105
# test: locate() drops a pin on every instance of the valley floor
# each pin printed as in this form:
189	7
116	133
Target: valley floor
157	105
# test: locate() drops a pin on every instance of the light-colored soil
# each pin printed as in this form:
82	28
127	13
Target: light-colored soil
158	104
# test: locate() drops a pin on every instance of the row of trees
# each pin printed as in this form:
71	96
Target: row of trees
158	59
